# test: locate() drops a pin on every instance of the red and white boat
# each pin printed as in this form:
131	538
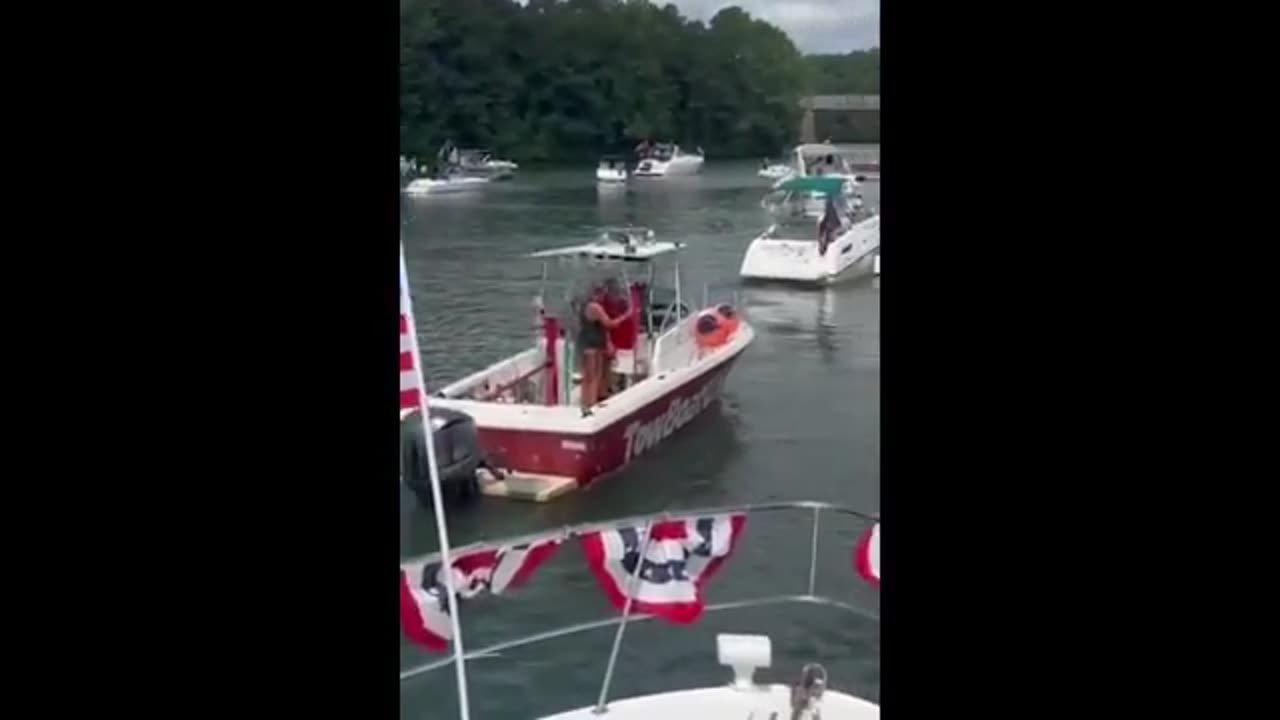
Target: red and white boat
670	365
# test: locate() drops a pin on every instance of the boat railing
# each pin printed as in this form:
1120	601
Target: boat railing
807	595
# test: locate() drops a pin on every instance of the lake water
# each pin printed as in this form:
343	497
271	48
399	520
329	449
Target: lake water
799	421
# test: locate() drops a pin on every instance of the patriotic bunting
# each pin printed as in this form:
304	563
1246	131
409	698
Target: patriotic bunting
866	556
680	558
424	603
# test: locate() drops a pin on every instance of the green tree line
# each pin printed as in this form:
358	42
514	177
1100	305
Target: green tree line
856	73
573	79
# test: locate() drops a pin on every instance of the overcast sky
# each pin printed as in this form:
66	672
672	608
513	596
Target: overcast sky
815	26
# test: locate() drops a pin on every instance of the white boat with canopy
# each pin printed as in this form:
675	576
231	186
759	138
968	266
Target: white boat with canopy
821	160
666	159
479	162
539	417
799	248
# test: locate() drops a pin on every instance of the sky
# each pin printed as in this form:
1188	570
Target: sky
815	26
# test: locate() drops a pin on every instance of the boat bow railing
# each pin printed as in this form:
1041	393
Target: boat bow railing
808	596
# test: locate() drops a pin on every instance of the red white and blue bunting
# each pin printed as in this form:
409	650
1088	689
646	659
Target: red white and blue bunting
866	556
681	556
424	605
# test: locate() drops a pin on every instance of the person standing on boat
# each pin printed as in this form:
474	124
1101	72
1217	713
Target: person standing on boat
620	337
829	226
593	339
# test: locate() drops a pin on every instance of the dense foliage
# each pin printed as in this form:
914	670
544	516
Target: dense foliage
857	73
572	79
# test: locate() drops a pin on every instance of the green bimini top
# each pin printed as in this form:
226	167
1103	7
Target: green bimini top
814	184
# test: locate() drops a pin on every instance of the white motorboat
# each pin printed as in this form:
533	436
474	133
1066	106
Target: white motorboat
671	363
477	162
776	171
612	169
677	554
795	248
447	184
666	159
821	160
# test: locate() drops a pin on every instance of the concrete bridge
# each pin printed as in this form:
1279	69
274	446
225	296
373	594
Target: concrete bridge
842	118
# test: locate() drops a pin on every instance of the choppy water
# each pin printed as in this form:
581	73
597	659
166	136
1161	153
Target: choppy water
800	420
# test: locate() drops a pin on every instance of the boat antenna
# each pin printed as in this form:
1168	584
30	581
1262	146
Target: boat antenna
437	500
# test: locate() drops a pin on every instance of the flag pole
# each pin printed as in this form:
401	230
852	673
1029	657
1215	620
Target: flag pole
437	500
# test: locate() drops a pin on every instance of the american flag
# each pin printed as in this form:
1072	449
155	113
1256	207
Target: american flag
409	381
866	556
680	558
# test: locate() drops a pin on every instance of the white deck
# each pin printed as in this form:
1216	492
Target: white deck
531	487
725	703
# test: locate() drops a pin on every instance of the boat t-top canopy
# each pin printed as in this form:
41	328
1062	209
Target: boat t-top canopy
817	150
632	244
826	185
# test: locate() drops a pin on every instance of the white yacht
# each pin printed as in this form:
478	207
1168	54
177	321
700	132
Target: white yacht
666	159
798	247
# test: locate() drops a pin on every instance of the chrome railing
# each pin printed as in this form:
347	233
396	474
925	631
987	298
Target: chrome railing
626	617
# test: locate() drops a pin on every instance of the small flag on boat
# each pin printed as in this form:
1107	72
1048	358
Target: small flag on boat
829	226
409	382
424	605
866	556
680	558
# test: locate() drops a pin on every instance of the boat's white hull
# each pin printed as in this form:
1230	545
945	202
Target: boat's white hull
776	172
679	165
604	175
499	169
729	703
558	441
429	186
799	260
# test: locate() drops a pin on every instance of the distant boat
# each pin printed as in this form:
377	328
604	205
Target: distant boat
821	160
668	159
776	171
477	162
612	169
447	184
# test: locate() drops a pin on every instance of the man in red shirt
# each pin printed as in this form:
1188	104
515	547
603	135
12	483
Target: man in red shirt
621	336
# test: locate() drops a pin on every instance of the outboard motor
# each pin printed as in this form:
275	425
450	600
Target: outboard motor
457	453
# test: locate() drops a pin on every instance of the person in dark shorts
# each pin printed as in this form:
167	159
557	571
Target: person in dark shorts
593	340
